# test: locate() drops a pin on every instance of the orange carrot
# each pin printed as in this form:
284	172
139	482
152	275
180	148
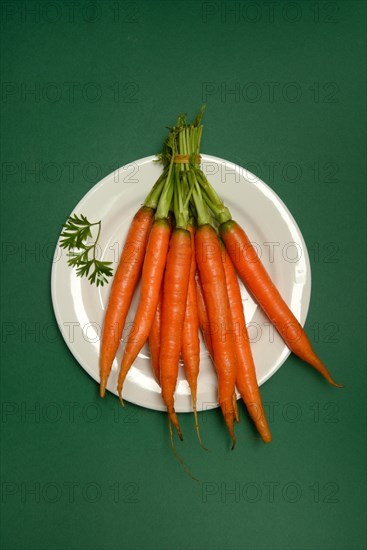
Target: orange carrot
122	290
155	338
190	334
154	263
255	277
203	317
155	331
175	286
246	380
213	281
205	329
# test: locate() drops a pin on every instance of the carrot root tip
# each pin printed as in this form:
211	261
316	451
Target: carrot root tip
173	418
121	400
197	428
102	390
229	420
177	456
235	408
332	381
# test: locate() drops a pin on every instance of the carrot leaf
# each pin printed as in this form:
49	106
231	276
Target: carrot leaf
82	253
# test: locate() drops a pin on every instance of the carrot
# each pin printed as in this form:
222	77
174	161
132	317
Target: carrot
213	281
155	338
255	277
190	334
203	317
205	329
155	331
122	290
175	286
246	380
154	263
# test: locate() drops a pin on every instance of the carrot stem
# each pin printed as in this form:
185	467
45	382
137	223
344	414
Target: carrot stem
166	195
153	197
203	215
220	211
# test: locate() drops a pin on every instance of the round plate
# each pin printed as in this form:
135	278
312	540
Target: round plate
80	307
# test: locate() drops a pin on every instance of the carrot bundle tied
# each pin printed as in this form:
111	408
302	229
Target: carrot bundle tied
189	281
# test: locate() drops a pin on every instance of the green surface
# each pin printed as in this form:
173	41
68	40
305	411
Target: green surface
106	81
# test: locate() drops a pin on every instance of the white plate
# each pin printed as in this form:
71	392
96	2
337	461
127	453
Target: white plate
79	307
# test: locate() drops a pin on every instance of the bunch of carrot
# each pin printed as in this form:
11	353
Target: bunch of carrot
187	250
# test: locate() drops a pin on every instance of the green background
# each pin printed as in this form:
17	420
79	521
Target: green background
107	77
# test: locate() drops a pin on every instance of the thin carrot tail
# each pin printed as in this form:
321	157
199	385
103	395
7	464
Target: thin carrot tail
193	398
120	398
119	390
104	375
315	362
124	368
102	387
235	408
301	346
319	365
259	418
267	438
229	420
198	429
173	418
182	463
